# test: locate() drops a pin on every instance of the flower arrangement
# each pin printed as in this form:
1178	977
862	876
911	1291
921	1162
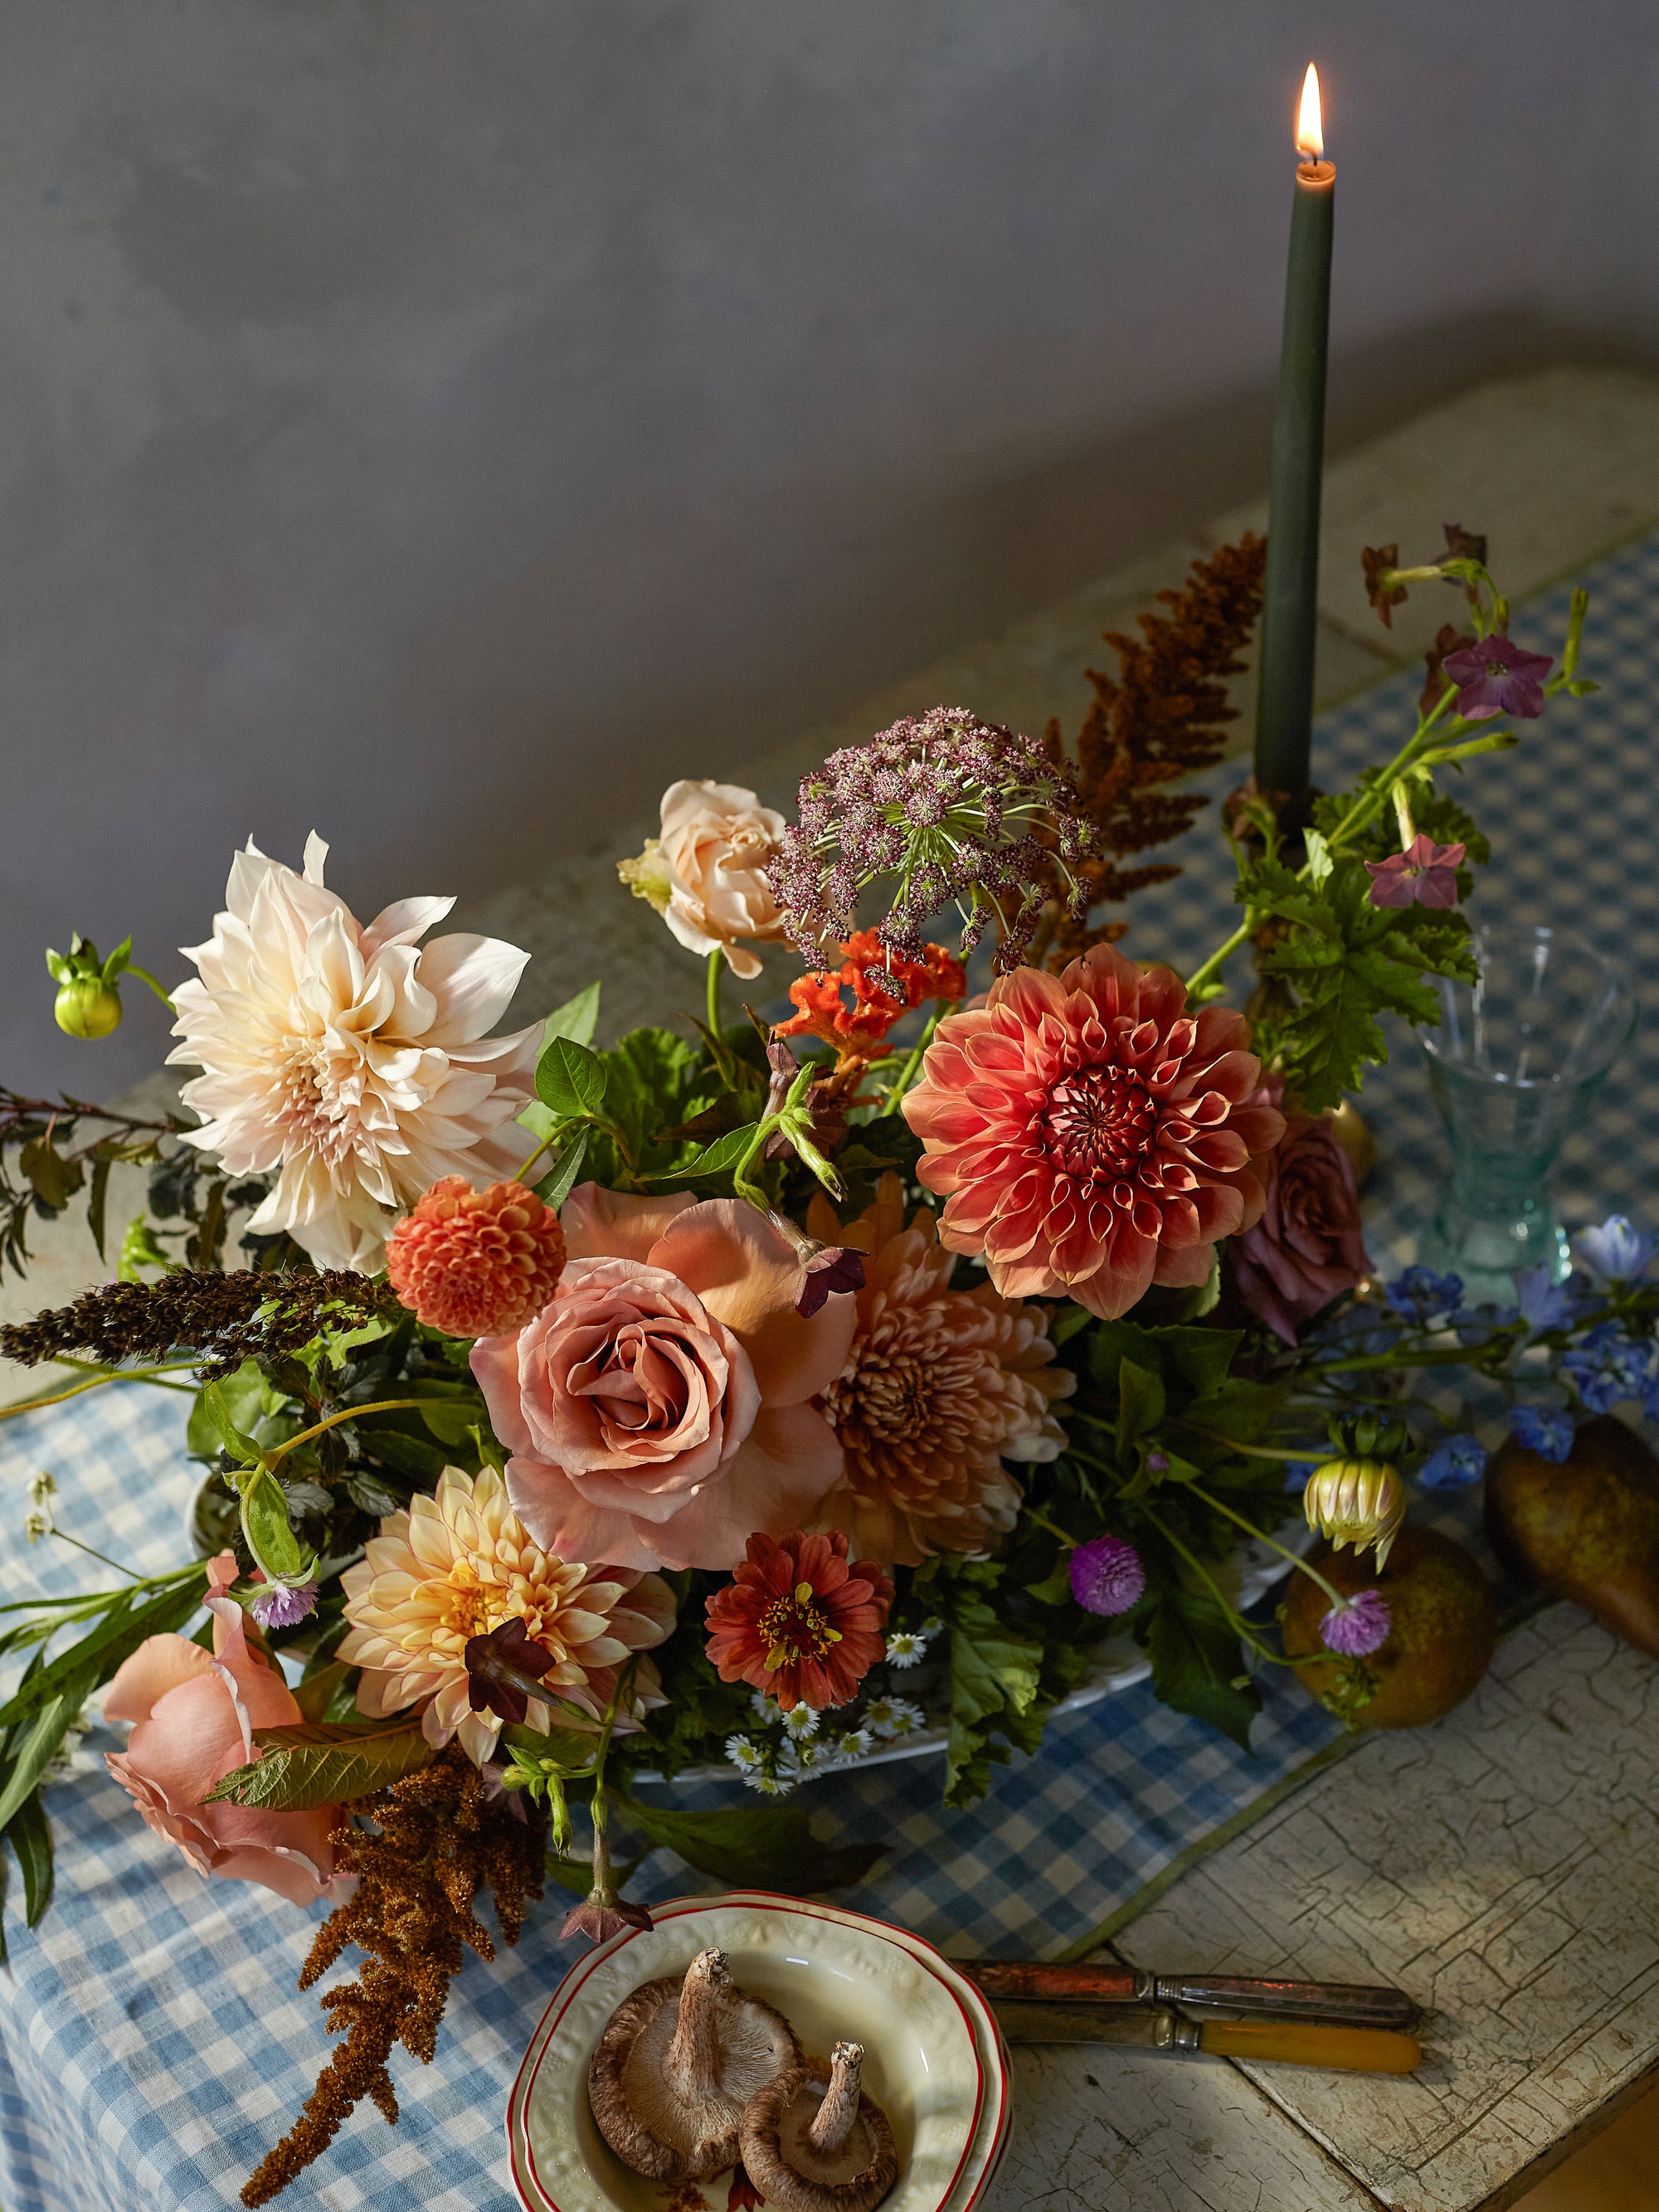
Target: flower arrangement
754	1397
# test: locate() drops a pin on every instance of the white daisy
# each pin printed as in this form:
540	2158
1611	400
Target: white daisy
744	1755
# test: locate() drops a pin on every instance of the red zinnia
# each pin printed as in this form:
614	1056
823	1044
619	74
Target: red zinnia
1089	1136
476	1262
796	1622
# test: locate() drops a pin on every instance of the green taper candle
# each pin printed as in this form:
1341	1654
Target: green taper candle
1290	614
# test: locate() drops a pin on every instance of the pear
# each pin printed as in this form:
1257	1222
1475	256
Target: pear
1586	1530
1439	1643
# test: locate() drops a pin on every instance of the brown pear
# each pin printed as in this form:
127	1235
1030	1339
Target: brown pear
1441	1634
1588	1529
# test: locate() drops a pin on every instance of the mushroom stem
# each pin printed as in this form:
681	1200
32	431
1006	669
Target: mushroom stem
694	2056
836	2115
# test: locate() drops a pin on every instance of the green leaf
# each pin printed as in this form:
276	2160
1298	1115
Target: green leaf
269	1537
316	1692
1200	1357
139	1249
53	1179
719	1159
994	1680
118	1633
30	1837
215	1411
97	1198
570	1079
1195	1661
576	1019
556	1185
316	1762
1139	1402
757	1847
40	1746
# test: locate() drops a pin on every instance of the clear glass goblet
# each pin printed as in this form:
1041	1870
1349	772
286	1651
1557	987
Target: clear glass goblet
1513	1068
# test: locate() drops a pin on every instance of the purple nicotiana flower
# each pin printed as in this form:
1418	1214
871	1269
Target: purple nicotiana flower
1541	1303
1607	1366
1421	1295
1546	1429
1424	874
1453	1465
1615	1249
1106	1576
280	1607
1359	1626
1495	675
1157	1463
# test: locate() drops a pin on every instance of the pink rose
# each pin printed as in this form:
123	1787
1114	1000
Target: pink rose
1308	1248
195	1714
706	873
659	1408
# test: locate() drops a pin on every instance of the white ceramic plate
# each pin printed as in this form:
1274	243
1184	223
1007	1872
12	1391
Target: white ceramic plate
831	1974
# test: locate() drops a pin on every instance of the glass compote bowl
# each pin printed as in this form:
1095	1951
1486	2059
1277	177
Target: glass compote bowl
1513	1068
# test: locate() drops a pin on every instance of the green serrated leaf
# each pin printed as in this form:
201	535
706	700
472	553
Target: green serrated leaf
1195	1663
994	1679
570	1079
322	1763
29	1835
757	1847
576	1019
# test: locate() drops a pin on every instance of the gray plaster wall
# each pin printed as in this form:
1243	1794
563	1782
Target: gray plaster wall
441	422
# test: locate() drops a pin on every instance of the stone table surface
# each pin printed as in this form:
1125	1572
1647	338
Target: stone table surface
1502	1866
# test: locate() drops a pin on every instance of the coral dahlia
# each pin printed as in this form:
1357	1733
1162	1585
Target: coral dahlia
796	1622
474	1262
452	1569
343	1060
1090	1137
940	1386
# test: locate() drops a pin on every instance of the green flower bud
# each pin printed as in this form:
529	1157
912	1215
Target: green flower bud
88	1007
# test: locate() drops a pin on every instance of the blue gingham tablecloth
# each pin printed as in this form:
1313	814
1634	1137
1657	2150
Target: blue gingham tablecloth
153	2044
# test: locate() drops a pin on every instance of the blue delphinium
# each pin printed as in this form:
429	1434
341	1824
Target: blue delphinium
1607	1366
1542	1303
1615	1249
1421	1295
1453	1465
1546	1430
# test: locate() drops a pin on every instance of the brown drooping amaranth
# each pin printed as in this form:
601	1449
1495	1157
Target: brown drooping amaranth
1162	717
225	1317
438	1842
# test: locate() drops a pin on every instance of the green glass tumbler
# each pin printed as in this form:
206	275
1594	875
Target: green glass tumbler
1513	1067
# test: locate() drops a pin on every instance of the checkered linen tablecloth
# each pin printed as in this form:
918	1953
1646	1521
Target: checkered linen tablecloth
154	2043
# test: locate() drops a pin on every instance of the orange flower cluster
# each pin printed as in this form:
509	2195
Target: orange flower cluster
885	986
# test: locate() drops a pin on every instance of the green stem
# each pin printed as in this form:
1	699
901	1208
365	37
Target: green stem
129	1374
1456	1355
907	1074
1250	1451
1236	1620
91	1600
1218	959
1043	1522
545	1146
716	962
92	1382
1272	1544
63	1537
333	1421
144	976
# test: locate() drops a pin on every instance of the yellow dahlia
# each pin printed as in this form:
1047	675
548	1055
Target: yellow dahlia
456	1566
940	1387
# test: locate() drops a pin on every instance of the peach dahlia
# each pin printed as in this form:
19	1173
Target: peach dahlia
1089	1136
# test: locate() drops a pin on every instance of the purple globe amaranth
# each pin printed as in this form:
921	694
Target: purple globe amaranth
1496	675
1107	1575
1359	1626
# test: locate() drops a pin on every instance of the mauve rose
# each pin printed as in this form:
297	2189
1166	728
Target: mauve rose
1308	1247
195	1714
659	1408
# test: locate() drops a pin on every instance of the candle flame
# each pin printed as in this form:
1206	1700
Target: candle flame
1310	124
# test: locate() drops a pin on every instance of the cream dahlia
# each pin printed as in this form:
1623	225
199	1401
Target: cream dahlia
1090	1137
457	1565
940	1386
343	1059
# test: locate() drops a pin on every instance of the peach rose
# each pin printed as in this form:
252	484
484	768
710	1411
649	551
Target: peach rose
706	873
659	1409
195	1715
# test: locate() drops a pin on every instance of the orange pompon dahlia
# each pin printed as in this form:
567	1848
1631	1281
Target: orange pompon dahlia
1089	1136
939	1387
884	986
476	1262
796	1622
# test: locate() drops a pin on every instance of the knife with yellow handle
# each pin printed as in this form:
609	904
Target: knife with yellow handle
1157	2027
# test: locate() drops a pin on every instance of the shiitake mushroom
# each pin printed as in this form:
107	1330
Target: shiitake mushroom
813	2141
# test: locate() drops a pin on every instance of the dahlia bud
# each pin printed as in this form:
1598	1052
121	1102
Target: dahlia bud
476	1262
1360	1502
88	1005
